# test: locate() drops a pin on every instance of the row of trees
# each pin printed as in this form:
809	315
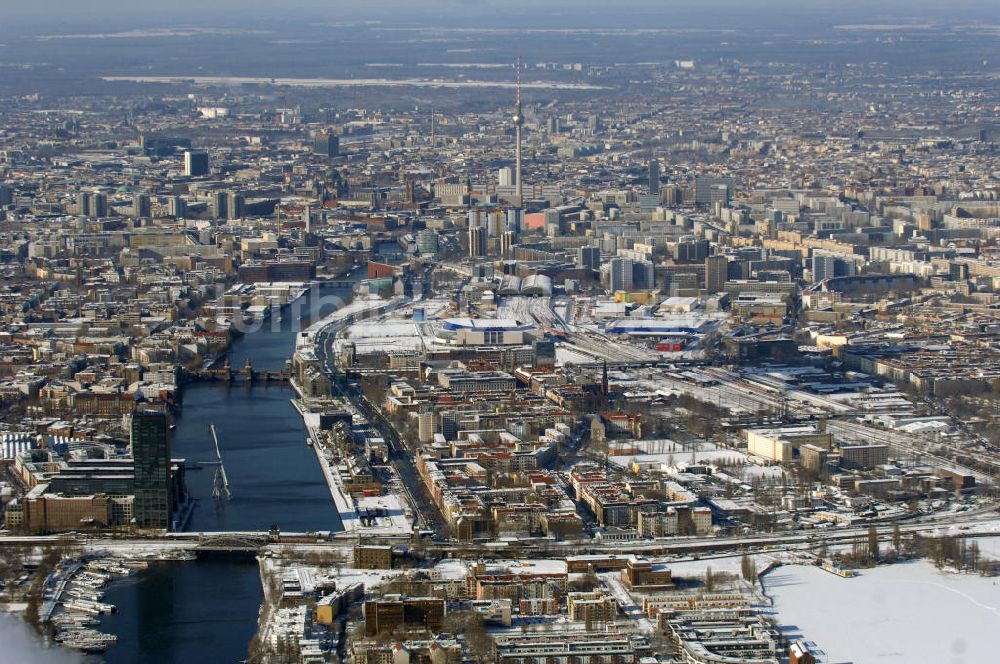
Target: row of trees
954	552
51	557
949	550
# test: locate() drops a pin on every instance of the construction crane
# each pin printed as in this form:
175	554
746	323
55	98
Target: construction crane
220	486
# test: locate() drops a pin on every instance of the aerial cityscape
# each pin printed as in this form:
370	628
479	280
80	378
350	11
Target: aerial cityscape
524	333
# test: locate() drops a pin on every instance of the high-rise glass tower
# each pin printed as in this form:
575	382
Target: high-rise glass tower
195	163
150	442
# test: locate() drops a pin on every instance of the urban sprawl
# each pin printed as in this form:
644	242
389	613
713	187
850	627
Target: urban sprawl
593	370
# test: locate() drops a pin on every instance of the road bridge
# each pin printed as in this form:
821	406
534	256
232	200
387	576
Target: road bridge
232	543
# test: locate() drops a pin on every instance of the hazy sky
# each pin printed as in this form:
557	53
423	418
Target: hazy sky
55	10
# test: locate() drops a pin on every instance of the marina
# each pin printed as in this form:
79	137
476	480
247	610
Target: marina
76	602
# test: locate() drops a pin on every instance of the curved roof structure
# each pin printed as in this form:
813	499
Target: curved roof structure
536	284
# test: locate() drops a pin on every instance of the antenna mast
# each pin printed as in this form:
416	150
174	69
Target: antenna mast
518	122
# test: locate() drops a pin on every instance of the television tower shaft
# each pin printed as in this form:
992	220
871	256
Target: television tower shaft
518	123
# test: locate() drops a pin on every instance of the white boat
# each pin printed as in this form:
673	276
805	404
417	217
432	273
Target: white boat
77	605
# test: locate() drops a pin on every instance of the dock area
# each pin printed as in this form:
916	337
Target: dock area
383	514
74	603
343	503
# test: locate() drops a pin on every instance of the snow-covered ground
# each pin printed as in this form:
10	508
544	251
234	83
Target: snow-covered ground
909	612
728	563
668	453
989	547
566	355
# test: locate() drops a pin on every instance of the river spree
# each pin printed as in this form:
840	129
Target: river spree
203	611
274	477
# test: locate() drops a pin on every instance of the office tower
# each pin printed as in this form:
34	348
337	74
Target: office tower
718	196
589	257
518	121
515	219
505	177
823	267
477	217
220	204
6	194
477	242
307	219
234	206
496	223
427	242
99	205
507	244
150	443
703	184
141	206
620	275
195	163
716	273
691	251
176	207
827	267
594	123
83	203
643	275
958	271
326	144
672	195
654	176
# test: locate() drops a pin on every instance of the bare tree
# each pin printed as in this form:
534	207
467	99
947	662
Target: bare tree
748	568
709	579
873	553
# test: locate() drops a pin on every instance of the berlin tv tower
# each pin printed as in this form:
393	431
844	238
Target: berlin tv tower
518	121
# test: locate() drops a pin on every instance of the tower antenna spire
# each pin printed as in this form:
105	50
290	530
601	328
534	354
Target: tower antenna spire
518	122
518	83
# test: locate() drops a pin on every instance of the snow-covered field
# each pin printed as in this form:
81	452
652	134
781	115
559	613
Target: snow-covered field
667	452
989	547
909	612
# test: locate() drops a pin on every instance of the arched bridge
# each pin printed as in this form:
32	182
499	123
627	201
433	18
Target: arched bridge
235	543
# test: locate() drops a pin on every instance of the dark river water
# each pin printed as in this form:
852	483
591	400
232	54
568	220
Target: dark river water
200	611
273	475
